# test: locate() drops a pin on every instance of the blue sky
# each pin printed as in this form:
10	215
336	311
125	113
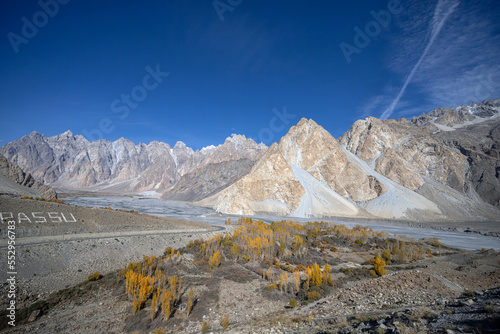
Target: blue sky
198	71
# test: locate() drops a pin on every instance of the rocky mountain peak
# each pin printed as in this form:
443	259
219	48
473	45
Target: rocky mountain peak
236	138
492	102
68	134
207	149
309	163
158	144
306	143
303	125
449	119
121	140
390	169
35	135
179	145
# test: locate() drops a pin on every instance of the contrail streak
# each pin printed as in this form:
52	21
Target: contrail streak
438	20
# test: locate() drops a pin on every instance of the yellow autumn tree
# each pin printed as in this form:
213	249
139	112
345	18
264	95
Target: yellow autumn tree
378	266
154	303
296	280
283	282
190	301
235	252
268	274
179	290
166	303
173	286
317	276
386	255
214	260
326	274
142	292
309	273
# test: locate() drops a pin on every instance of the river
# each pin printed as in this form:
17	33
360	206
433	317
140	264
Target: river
186	211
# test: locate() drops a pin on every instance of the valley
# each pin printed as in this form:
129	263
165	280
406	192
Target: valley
286	277
409	170
385	229
250	167
480	234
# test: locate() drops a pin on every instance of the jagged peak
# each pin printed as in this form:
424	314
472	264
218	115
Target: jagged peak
471	106
123	141
35	134
81	138
306	122
65	135
179	144
303	125
208	148
156	143
235	138
495	102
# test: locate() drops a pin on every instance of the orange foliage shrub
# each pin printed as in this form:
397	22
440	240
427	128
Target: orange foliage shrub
313	295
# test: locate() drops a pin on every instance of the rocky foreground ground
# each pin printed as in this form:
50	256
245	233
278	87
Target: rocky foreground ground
103	240
404	301
451	290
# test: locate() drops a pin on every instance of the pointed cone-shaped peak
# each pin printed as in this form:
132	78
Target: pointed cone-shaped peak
306	122
180	145
67	135
304	125
306	143
35	135
182	149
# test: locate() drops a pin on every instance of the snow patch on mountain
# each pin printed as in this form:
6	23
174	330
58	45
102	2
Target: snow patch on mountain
207	149
319	199
174	156
397	201
476	120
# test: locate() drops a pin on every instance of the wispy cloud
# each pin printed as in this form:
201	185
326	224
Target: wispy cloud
443	10
446	54
372	105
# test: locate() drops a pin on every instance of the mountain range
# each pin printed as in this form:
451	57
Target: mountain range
71	163
440	165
